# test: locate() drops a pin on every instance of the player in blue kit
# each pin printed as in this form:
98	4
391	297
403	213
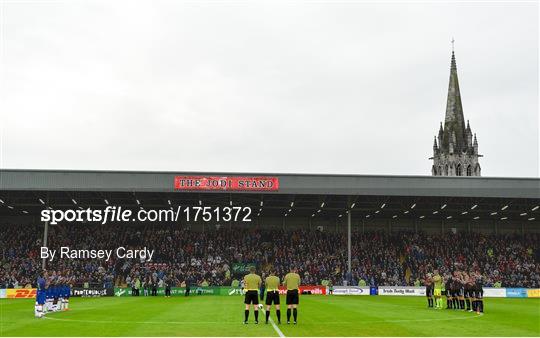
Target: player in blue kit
61	294
48	298
56	296
52	293
65	295
39	310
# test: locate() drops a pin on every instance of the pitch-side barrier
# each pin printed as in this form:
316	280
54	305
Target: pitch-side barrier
340	290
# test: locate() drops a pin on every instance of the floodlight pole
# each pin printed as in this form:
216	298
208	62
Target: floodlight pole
45	235
349	242
45	232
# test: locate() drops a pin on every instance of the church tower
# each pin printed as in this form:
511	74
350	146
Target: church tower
455	148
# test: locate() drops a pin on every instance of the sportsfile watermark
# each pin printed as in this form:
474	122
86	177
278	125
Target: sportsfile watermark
115	214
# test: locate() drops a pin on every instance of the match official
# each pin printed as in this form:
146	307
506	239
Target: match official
252	283
272	295
168	287
187	282
292	282
437	289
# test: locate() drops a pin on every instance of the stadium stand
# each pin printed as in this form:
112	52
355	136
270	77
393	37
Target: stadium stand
208	257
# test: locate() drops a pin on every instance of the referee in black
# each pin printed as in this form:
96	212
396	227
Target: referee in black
188	288
154	287
292	282
167	287
252	283
272	295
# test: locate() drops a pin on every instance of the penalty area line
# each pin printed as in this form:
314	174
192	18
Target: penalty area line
276	328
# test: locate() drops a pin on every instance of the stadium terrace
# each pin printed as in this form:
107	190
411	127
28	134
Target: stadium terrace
350	211
120	252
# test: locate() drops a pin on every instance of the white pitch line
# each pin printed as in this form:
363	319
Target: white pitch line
136	322
276	328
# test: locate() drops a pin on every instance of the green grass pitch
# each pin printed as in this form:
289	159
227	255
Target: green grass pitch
223	316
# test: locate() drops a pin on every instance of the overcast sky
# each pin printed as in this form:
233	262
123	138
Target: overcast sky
308	87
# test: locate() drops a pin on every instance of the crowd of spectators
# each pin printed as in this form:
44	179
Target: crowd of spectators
406	258
216	256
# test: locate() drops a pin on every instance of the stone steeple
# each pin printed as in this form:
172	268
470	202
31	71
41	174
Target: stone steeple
455	153
454	123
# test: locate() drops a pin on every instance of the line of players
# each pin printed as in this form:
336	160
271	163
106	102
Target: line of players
52	293
253	286
463	291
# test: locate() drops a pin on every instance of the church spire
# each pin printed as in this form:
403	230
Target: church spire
454	122
455	147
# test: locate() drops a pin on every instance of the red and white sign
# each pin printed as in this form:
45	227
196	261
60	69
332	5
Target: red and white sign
226	183
313	289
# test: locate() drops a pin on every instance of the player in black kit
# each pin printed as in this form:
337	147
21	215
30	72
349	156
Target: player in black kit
429	290
460	286
478	295
455	293
449	287
468	292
